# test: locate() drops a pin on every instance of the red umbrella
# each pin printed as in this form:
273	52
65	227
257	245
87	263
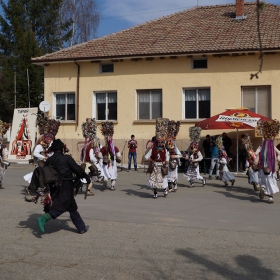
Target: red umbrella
240	118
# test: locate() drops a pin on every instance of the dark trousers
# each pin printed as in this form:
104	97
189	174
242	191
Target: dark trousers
130	156
74	215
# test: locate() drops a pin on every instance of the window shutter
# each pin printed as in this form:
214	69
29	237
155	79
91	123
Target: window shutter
249	98
264	98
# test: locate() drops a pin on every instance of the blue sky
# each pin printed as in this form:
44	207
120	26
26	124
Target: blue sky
117	15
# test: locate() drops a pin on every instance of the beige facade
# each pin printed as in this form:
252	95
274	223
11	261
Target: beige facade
224	76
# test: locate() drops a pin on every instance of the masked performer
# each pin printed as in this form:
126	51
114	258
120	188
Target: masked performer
111	155
266	159
47	128
174	155
252	173
3	151
158	158
225	174
63	195
91	154
193	157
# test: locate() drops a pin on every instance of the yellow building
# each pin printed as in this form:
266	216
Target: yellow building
187	66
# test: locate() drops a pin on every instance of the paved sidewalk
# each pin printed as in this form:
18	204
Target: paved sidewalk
211	232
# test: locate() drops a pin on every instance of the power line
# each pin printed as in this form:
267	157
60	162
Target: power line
147	13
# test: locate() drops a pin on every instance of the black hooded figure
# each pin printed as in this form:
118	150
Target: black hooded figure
63	198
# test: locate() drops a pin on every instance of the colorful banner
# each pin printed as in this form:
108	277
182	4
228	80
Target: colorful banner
23	133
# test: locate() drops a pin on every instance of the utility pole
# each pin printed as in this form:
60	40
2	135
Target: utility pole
15	83
28	88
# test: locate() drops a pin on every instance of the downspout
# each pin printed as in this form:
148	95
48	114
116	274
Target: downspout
78	92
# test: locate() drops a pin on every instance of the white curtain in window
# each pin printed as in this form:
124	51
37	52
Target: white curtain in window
144	97
204	94
156	96
70	98
60	99
100	98
190	95
112	97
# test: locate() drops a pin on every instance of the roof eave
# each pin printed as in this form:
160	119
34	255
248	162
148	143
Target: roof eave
42	62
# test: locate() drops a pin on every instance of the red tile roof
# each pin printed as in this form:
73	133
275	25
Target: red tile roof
207	29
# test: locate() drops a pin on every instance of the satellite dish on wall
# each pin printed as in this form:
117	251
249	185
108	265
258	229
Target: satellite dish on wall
45	106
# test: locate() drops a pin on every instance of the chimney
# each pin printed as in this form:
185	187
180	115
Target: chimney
239	14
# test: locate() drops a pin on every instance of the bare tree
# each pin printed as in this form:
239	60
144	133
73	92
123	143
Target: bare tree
85	20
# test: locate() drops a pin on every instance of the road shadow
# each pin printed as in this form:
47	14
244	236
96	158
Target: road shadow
50	227
139	192
252	198
250	267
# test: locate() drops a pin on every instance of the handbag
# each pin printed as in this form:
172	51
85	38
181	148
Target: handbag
195	164
150	168
221	167
266	170
164	170
173	164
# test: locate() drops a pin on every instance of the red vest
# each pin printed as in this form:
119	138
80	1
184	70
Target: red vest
158	155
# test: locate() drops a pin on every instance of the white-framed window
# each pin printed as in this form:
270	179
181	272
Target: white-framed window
106	67
199	63
65	106
197	103
149	103
106	106
257	99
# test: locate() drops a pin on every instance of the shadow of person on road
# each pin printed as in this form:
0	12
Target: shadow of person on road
50	227
142	194
250	267
252	198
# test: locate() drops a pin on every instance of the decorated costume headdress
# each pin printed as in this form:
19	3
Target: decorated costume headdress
194	134
246	141
172	132
107	130
219	141
269	130
220	145
89	128
46	127
3	128
161	128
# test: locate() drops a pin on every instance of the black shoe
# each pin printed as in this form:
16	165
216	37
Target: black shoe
85	230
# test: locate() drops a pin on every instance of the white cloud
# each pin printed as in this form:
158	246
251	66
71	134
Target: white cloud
139	11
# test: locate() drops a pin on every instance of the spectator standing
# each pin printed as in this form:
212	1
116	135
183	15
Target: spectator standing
242	154
207	153
132	146
227	143
206	146
214	159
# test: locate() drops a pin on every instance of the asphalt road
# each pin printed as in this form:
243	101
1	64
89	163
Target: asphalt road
211	232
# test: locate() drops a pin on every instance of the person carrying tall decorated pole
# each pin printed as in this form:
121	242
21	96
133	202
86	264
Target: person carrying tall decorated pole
174	154
193	157
91	154
252	172
224	159
3	151
158	158
111	155
266	158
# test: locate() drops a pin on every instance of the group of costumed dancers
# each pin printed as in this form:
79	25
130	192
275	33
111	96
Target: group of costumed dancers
163	155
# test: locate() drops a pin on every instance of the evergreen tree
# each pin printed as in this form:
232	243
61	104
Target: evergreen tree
28	29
